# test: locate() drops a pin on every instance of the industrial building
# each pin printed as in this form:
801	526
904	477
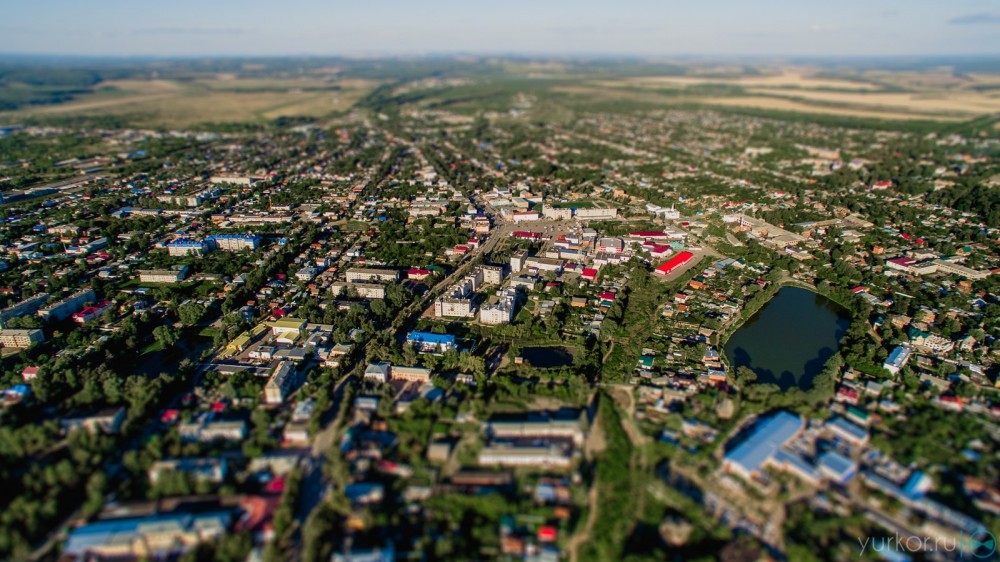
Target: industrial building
673	263
760	447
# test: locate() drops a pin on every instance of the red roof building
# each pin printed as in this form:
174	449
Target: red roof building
526	235
648	234
673	263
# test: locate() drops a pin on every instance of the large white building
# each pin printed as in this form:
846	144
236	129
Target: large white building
592	214
453	307
503	311
493	274
29	305
173	275
545	264
185	247
539	455
364	275
64	308
234	242
364	290
557	213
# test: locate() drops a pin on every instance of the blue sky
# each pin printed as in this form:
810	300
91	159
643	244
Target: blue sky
386	27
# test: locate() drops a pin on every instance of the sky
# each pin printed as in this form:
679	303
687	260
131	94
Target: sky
536	27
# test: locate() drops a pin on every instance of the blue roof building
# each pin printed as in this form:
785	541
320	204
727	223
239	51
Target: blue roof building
428	341
897	359
837	467
852	433
749	457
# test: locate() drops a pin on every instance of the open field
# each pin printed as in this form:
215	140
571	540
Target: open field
219	99
795	79
193	98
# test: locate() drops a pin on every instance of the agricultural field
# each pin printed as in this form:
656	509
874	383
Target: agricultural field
221	98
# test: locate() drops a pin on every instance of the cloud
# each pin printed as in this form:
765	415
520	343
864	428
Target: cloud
982	18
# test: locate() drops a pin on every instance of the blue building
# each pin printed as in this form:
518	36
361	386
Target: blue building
897	360
430	342
185	247
234	242
760	447
837	467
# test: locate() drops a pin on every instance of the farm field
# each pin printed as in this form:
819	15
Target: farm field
218	99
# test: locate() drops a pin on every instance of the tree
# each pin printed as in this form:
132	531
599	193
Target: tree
191	313
166	335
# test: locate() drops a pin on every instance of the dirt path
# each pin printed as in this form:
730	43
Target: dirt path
582	537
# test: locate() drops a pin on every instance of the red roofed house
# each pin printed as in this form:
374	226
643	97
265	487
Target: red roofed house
29	373
589	274
848	395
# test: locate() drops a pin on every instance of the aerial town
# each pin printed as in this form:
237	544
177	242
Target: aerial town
470	330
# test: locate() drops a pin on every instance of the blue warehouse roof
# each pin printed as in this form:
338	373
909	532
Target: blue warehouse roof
428	337
769	436
839	465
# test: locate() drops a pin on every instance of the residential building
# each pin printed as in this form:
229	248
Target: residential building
493	274
175	274
378	372
205	430
452	307
28	306
410	374
186	247
205	469
158	536
89	313
364	275
282	383
517	260
64	308
364	290
108	420
20	338
557	213
542	455
596	214
234	242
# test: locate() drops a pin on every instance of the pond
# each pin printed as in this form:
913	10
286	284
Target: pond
787	342
547	357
